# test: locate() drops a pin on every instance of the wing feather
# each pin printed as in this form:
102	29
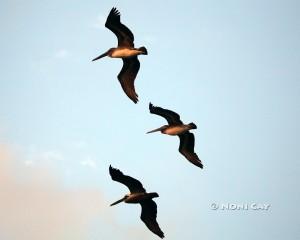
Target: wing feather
172	117
127	76
148	216
186	148
124	35
134	185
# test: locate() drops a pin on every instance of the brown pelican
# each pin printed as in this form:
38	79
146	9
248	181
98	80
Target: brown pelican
176	127
126	51
138	195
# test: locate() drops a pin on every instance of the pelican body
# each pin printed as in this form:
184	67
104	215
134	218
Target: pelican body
177	128
123	52
126	51
138	195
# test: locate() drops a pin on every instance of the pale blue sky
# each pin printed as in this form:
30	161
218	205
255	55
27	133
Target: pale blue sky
232	67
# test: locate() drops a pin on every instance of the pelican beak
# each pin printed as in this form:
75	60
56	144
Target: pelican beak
121	200
156	130
101	56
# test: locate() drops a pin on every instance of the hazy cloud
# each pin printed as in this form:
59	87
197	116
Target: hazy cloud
61	53
35	206
79	144
88	162
33	156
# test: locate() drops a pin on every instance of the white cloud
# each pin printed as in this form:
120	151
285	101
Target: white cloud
28	162
79	144
61	53
46	157
34	204
52	155
88	162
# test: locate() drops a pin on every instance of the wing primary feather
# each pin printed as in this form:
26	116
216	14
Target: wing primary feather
123	33
186	148
134	185
148	216
127	77
172	118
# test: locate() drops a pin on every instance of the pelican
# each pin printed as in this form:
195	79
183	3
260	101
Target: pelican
176	127
126	51
138	195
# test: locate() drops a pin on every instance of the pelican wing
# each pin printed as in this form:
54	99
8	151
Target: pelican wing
170	116
148	216
127	76
134	185
186	148
124	35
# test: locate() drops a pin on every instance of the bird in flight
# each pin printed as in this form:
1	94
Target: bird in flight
176	127
138	195
126	51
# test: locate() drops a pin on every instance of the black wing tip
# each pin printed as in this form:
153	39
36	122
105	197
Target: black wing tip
162	235
200	165
113	16
114	11
197	161
132	96
114	171
111	169
159	232
151	107
135	100
194	159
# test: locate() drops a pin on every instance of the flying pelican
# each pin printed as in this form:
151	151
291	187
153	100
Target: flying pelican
176	127
126	51
138	195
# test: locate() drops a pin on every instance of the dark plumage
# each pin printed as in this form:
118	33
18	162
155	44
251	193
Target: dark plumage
172	117
127	76
126	51
139	195
176	127
124	35
134	186
186	148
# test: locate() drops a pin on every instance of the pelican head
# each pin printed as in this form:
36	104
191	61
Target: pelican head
158	129
107	53
143	50
121	200
192	125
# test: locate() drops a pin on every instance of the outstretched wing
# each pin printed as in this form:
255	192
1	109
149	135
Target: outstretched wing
148	216
172	117
127	76
134	185
124	35
186	148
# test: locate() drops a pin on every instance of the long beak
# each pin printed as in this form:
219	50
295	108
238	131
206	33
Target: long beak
157	129
121	200
101	56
